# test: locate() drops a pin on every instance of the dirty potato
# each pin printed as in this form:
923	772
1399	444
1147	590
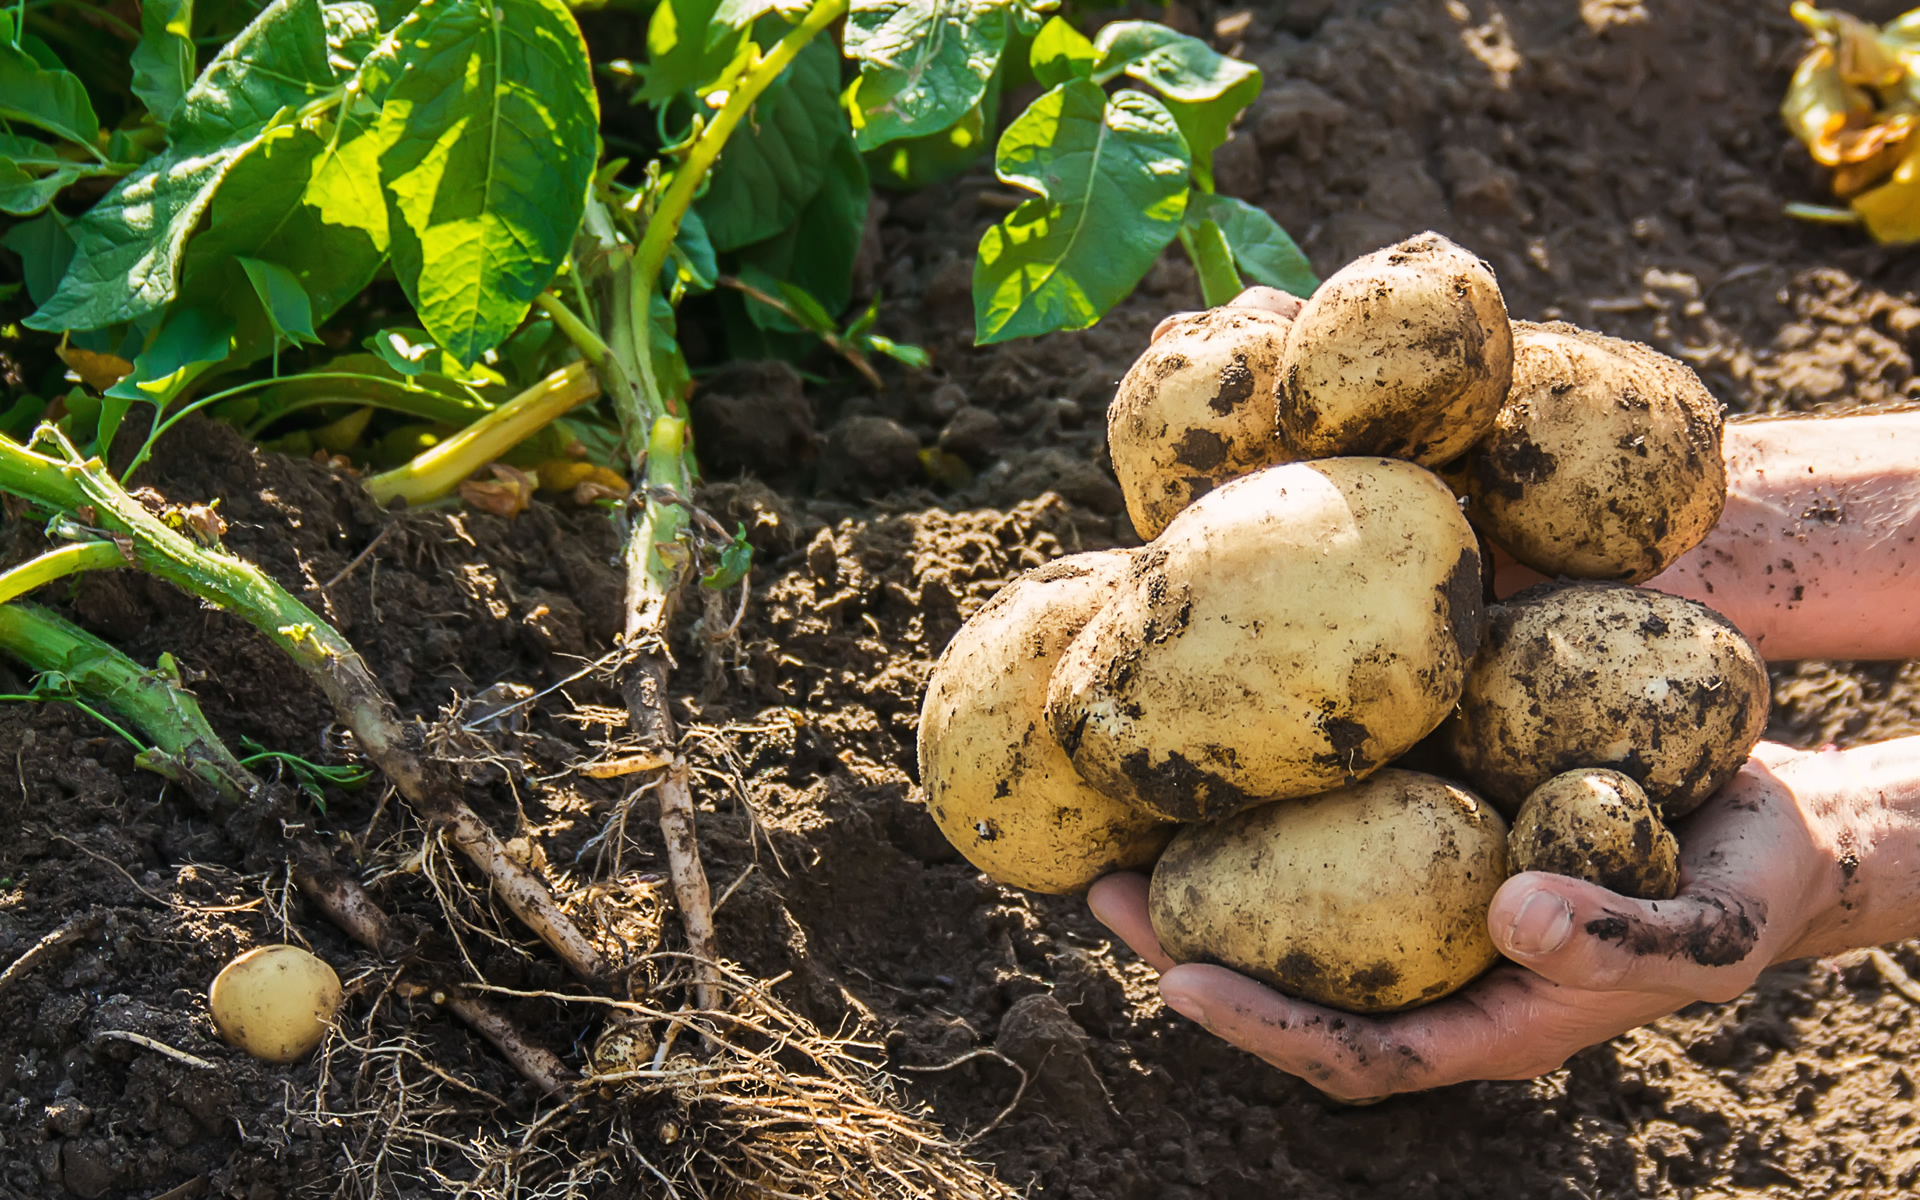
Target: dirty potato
997	784
1664	690
1195	411
1291	631
1605	461
1597	825
1370	898
1404	353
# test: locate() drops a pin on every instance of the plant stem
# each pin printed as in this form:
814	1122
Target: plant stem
318	649
438	471
57	564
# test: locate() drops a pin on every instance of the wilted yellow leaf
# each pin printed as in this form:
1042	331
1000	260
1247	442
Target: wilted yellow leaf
1891	211
1819	105
98	371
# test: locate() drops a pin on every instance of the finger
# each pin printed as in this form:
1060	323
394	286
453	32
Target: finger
1349	1057
1119	901
1700	945
1272	300
1167	322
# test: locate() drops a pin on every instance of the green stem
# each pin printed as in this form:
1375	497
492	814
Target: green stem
664	224
57	564
436	472
183	746
186	410
1212	258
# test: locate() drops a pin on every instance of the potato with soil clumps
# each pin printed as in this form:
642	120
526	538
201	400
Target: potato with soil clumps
1405	353
1605	461
997	784
1664	690
1291	631
1597	825
1370	898
1196	410
274	1002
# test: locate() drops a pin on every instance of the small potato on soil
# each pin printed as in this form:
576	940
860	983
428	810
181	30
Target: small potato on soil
1664	690
1597	825
998	785
1404	352
1605	461
1291	631
1196	410
1370	898
274	1002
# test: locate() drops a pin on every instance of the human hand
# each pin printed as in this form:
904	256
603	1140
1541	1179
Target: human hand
1760	868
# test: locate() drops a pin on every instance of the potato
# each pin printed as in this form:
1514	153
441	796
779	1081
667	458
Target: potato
1371	898
1196	410
1404	353
274	1002
1664	690
1605	461
1289	632
1597	825
997	783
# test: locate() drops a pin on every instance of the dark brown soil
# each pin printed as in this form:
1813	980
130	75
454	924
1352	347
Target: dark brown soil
1620	164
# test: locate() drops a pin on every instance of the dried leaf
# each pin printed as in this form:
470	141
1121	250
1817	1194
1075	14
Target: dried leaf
507	496
1891	211
1820	104
98	371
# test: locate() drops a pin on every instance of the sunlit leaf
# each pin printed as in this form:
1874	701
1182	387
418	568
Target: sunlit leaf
923	63
1111	174
1060	52
686	48
163	62
1203	89
494	131
1263	251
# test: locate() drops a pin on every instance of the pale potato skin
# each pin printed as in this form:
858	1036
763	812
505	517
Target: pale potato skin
1664	690
1370	898
1597	825
1605	461
1196	410
1405	353
274	1002
997	783
1291	631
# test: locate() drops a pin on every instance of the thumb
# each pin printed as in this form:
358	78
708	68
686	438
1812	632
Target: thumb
1701	944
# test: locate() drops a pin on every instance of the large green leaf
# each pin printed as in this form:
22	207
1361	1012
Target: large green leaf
31	172
1264	251
1112	179
775	162
923	63
1060	52
1203	89
163	62
683	51
817	250
54	100
493	130
130	243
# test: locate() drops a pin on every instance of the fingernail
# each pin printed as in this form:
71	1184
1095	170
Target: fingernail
1186	1007
1542	925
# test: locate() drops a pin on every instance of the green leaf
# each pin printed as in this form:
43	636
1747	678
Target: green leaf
31	174
45	248
1204	89
427	396
682	52
54	100
923	63
163	62
1263	250
353	33
693	258
773	165
1112	179
288	308
670	371
412	353
818	250
494	128
900	352
735	561
261	214
191	342
129	245
1212	258
738	14
914	163
1060	52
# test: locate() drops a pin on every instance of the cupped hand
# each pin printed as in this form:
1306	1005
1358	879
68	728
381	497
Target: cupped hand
1757	866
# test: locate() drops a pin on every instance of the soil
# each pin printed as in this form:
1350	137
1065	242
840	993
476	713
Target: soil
1620	164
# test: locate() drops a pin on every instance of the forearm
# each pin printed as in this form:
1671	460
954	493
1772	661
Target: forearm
1863	806
1818	552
